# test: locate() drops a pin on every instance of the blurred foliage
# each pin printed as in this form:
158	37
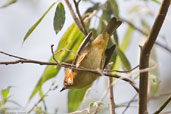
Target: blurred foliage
4	94
8	3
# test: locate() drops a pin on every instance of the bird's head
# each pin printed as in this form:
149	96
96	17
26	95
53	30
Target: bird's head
68	80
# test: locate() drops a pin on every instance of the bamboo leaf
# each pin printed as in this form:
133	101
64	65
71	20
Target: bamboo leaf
75	97
59	18
37	23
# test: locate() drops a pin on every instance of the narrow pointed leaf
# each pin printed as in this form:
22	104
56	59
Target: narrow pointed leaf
126	39
37	23
59	18
75	97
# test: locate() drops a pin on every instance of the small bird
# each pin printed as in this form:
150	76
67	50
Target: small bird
92	56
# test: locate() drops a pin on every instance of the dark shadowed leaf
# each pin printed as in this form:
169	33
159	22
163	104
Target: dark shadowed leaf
71	40
8	3
37	23
75	97
59	18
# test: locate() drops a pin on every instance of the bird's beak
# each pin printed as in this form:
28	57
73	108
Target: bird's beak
62	89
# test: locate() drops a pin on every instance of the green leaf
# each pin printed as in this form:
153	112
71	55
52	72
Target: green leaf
37	23
125	63
156	1
4	94
59	18
126	39
8	3
71	40
113	5
75	97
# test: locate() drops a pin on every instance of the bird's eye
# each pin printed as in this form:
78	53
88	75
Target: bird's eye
65	82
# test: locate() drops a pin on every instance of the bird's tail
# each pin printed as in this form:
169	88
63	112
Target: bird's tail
112	25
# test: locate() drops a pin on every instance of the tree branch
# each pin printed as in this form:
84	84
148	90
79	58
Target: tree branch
164	105
111	97
79	16
78	23
145	54
67	65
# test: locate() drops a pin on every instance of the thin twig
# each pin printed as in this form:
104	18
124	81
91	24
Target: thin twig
53	53
125	71
78	23
79	16
129	103
145	54
163	105
12	55
67	65
111	97
41	99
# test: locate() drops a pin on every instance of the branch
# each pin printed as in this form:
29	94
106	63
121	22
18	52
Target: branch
79	16
111	97
67	65
164	105
145	54
78	23
129	103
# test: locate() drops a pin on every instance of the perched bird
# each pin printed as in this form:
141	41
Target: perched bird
92	56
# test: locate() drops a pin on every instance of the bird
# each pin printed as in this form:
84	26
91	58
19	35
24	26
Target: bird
91	56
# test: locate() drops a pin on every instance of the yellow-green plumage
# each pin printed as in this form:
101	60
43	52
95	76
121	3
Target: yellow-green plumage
91	57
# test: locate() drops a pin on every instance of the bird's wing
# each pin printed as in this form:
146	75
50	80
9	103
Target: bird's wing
81	57
82	46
